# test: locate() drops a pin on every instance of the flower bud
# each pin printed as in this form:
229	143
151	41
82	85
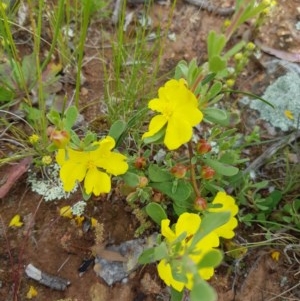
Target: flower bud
200	203
203	147
238	56
207	172
179	171
157	197
60	138
46	160
143	182
140	163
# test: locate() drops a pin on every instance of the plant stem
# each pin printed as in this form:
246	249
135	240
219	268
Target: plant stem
192	170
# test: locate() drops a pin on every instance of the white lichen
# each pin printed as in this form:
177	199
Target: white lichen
283	94
50	185
78	208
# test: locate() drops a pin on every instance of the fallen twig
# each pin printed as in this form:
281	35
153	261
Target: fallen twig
54	282
269	152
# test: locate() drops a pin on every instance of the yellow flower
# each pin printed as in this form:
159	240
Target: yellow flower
178	108
33	139
288	114
228	204
32	292
95	167
189	224
15	221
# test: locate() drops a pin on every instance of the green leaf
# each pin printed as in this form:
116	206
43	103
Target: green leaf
6	95
183	190
89	138
250	95
236	48
181	70
70	117
208	78
175	295
54	117
209	223
147	256
221	168
202	291
131	179
215	115
217	64
161	251
211	259
117	129
214	90
157	138
156	212
157	174
215	43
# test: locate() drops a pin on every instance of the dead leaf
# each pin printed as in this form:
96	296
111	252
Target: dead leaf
108	255
14	173
281	54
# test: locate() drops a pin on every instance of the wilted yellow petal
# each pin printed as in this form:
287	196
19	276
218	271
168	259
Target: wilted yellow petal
79	220
66	211
31	293
288	114
275	255
94	222
16	221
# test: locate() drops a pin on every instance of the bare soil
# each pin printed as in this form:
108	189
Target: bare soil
57	246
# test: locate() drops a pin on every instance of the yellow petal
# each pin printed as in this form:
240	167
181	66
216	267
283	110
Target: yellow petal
228	204
71	172
178	132
156	124
114	163
97	182
187	222
165	273
166	230
15	221
66	211
32	292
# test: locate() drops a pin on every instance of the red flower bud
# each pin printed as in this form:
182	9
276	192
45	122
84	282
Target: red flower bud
179	171
207	172
203	147
60	138
140	163
200	204
157	197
